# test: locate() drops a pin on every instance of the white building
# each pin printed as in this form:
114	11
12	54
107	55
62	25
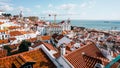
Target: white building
3	35
54	28
1	12
65	26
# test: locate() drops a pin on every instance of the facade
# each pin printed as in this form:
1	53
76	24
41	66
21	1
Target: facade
65	26
53	28
3	35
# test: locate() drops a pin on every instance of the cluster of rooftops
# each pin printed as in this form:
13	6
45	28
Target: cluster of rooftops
75	48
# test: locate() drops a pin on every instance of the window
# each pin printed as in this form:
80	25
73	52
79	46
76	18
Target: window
5	36
28	66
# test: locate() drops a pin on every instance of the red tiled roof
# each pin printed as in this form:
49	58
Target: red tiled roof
4	41
23	32
45	37
54	36
32	39
90	61
13	27
1	23
13	38
2	30
21	60
77	60
49	46
3	53
57	55
15	33
14	46
41	59
59	37
26	58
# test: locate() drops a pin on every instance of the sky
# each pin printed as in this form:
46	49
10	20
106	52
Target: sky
64	9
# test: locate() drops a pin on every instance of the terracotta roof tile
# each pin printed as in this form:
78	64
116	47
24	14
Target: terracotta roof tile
49	46
23	32
12	38
3	53
45	37
78	61
36	44
4	41
37	55
1	23
54	36
15	33
27	58
13	27
32	39
59	37
2	30
57	55
14	46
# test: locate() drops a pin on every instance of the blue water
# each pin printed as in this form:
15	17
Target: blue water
102	25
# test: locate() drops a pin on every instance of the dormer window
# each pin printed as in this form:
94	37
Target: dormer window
5	36
29	66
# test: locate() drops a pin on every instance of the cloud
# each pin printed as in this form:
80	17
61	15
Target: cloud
5	0
83	5
37	6
50	12
67	6
6	8
89	4
50	6
21	8
3	3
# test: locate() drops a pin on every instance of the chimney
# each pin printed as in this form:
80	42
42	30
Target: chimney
63	49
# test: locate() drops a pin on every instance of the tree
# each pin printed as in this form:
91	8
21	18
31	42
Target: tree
7	14
24	46
8	49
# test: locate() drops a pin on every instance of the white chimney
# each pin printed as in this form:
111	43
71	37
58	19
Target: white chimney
63	49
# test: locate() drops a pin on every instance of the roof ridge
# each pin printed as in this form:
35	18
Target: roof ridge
76	50
19	54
